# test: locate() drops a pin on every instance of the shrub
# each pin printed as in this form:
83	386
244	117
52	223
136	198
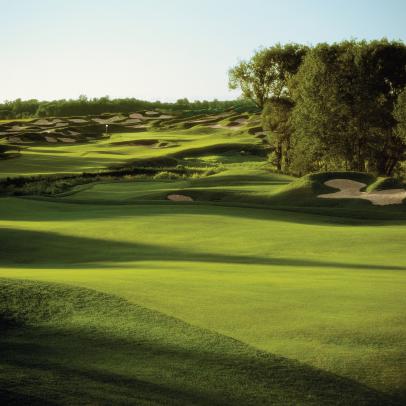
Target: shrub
165	175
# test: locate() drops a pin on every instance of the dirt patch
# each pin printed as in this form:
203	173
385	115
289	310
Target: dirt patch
350	189
179	198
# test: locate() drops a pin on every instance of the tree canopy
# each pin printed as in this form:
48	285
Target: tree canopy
267	73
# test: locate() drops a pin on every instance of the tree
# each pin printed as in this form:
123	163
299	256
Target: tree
344	97
267	73
276	120
399	115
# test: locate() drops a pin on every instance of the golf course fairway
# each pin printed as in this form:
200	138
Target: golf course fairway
250	304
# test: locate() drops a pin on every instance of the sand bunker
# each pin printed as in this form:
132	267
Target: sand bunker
18	140
179	198
15	139
131	121
78	120
18	128
64	139
136	115
109	120
350	189
51	139
43	122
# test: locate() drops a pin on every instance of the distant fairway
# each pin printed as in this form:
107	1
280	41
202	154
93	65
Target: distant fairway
257	292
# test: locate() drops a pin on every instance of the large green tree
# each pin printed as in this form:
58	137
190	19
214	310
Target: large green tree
276	119
267	73
399	115
344	98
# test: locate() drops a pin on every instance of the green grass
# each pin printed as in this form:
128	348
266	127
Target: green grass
327	292
116	151
80	346
257	293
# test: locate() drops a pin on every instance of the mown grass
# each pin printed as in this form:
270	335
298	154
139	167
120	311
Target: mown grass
256	293
66	345
328	292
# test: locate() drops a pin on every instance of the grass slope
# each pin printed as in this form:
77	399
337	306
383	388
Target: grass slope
244	296
329	292
65	345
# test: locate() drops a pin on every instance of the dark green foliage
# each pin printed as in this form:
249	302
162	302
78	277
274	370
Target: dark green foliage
276	120
267	73
344	97
96	106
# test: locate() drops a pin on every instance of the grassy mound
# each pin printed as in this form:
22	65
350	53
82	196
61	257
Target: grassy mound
67	345
384	183
304	191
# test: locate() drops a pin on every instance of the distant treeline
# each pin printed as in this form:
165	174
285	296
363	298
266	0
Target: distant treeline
338	106
84	106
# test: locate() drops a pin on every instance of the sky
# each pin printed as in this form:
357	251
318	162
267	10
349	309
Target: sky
165	49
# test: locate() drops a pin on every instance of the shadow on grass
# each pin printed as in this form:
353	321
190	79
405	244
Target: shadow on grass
331	214
23	247
107	351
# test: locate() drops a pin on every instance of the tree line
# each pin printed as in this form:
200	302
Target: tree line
86	106
338	106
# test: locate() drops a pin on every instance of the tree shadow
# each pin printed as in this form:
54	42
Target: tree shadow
25	247
110	352
55	209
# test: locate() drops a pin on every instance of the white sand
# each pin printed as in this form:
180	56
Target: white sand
179	198
350	189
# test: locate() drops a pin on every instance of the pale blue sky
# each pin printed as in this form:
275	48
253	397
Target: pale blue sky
165	49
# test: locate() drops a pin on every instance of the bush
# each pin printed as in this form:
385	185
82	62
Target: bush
165	175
